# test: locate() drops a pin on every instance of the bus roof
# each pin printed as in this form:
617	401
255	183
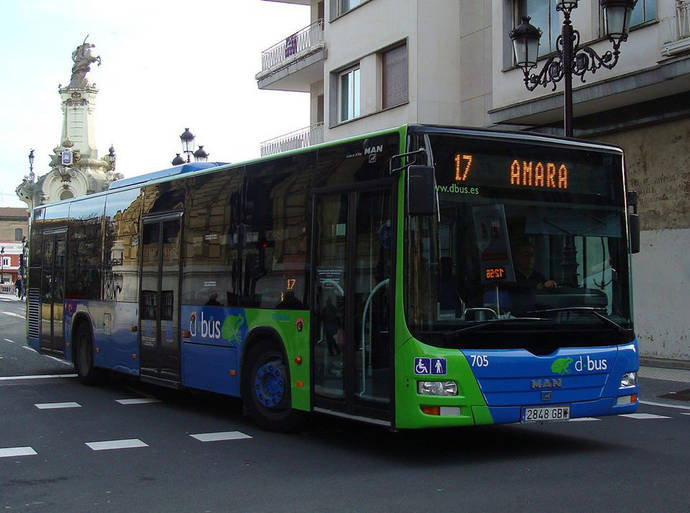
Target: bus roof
177	170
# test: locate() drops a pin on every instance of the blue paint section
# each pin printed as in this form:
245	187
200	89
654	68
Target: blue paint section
212	342
585	378
116	346
207	367
214	325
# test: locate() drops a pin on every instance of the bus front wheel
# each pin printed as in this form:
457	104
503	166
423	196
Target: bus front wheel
84	361
267	389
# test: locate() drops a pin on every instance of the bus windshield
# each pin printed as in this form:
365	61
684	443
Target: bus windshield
529	249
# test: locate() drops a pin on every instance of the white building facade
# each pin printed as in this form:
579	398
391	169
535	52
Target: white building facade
372	64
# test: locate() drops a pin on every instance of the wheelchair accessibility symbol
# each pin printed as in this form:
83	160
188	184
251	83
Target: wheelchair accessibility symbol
429	365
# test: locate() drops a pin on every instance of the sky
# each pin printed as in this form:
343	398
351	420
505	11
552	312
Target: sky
166	65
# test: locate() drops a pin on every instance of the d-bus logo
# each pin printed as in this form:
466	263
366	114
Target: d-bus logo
205	328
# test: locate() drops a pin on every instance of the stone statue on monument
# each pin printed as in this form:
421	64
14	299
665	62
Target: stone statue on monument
82	64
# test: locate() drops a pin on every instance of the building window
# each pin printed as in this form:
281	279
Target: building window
349	94
18	234
6	261
644	11
395	82
347	5
544	16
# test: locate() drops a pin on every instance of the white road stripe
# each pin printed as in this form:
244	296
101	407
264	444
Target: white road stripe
55	406
643	416
29	348
10	452
14	315
116	444
217	437
140	400
63	362
40	376
684	413
666	405
10	341
584	419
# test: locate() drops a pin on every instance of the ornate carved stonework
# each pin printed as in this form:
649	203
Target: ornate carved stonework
75	168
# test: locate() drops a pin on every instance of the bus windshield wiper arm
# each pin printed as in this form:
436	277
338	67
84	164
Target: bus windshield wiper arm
588	309
490	322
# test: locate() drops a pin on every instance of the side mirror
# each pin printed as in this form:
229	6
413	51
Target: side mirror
421	191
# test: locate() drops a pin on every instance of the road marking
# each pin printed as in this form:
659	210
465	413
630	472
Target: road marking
10	452
29	348
140	400
584	419
41	376
14	315
10	341
63	362
217	437
684	413
116	444
644	416
666	405
55	406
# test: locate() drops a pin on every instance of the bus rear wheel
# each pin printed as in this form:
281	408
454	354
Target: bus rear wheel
86	371
267	389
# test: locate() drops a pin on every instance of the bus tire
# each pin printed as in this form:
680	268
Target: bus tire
266	390
88	374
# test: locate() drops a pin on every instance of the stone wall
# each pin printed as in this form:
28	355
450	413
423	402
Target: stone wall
658	163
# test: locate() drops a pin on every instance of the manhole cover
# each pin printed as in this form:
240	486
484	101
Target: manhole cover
681	395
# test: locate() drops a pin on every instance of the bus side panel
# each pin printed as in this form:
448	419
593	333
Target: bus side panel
115	342
213	339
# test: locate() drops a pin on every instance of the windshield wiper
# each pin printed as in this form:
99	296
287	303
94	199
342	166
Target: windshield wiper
587	309
491	322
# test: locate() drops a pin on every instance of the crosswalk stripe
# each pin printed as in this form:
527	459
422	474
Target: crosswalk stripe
685	413
9	452
644	416
56	406
116	444
220	436
666	405
140	400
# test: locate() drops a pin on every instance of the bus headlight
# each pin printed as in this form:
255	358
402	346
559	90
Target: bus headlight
437	387
629	379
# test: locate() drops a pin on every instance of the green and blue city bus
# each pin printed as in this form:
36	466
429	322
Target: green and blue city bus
417	277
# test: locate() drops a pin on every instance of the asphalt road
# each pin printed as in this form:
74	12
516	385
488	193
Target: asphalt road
188	451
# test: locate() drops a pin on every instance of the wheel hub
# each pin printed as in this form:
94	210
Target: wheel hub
269	385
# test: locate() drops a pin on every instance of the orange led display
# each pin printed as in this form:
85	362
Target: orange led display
494	273
463	163
545	175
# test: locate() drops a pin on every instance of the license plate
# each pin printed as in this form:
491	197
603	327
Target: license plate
545	413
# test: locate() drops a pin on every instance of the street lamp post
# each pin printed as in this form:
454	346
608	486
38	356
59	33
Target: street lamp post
570	58
187	140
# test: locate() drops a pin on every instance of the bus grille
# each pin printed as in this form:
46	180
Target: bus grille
34	313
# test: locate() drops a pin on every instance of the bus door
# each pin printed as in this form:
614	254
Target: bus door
53	297
352	348
159	300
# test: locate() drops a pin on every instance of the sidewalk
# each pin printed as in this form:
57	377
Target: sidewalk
680	375
10	297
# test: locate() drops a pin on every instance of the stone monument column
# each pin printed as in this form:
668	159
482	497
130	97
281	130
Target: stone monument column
75	167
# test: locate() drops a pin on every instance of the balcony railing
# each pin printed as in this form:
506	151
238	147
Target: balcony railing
300	43
294	140
682	19
681	30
